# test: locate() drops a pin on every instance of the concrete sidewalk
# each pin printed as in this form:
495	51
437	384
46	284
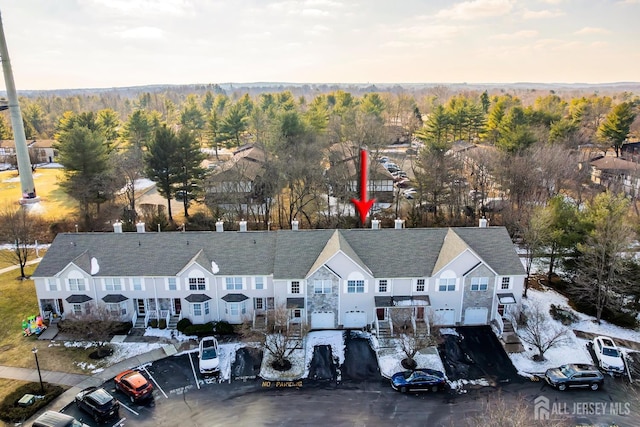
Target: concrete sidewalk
79	382
15	267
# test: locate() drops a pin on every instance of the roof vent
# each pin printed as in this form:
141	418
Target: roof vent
243	225
484	223
219	226
140	227
294	224
117	227
399	222
375	224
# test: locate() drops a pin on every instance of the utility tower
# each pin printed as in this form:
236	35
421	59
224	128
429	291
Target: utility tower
22	151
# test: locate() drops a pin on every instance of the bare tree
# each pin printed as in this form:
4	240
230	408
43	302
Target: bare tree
410	339
538	331
281	338
17	227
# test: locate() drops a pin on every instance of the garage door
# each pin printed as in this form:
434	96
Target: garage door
323	320
354	319
445	316
475	316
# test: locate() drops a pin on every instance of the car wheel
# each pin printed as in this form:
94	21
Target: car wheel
96	418
595	386
434	388
132	399
562	387
403	389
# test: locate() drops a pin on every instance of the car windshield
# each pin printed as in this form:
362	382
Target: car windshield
209	353
567	371
608	351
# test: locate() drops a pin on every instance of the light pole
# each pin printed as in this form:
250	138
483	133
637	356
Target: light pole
34	350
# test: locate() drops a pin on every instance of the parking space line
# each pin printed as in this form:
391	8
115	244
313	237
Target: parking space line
193	368
126	407
120	422
155	382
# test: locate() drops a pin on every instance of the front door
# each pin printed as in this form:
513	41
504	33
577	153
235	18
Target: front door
419	313
177	306
60	306
141	306
380	313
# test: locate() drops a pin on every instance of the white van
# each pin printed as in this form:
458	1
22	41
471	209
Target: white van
57	419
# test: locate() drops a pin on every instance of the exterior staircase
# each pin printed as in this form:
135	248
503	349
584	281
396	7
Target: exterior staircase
510	340
139	323
260	322
173	321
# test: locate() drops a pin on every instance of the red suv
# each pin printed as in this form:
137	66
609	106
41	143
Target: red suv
133	384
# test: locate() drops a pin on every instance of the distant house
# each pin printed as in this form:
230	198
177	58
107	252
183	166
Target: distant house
344	175
40	150
616	174
237	183
328	279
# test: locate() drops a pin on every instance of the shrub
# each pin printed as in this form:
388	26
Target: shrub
162	324
11	412
201	330
224	328
183	324
563	316
153	323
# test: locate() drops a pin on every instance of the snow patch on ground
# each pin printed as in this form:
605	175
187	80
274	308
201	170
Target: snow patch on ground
296	372
390	360
169	334
574	350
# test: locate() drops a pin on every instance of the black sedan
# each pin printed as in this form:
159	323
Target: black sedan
97	402
578	375
418	380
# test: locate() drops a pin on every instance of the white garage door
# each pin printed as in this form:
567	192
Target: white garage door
475	316
323	320
445	316
355	319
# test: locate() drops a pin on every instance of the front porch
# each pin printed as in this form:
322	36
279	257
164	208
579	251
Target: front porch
402	314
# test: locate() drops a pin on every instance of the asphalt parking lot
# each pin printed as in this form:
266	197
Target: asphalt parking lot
353	393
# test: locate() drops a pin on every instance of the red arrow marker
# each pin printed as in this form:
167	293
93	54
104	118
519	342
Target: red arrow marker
363	205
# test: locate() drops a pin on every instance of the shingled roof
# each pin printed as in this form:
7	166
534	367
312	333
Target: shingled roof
285	254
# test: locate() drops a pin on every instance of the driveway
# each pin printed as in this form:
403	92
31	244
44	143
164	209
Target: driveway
474	352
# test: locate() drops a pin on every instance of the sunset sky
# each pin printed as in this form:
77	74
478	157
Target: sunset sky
57	44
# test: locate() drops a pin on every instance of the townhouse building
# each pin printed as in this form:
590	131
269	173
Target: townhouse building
329	279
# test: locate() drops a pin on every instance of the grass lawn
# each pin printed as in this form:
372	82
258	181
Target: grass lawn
54	203
17	302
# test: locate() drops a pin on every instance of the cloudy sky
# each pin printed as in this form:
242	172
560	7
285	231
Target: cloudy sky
106	43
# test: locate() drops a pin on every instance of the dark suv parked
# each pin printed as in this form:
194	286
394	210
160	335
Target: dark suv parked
97	402
575	375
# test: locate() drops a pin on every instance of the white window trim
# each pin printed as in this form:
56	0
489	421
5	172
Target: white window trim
141	279
166	284
388	285
226	288
322	286
365	285
289	287
113	284
426	285
196	278
447	278
502	288
264	283
55	283
480	281
193	309
84	282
